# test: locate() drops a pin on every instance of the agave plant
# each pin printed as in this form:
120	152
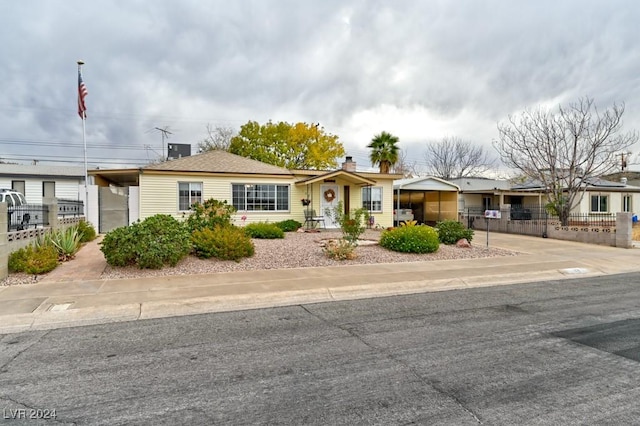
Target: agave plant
66	241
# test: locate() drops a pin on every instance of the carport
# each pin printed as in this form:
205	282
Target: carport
432	199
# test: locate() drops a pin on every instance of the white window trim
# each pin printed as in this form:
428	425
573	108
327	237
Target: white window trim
629	205
191	201
371	188
276	185
600	196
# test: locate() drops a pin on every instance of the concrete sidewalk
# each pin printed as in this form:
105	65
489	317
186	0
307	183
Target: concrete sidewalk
74	295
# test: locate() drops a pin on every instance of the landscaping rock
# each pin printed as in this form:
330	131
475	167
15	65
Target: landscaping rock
463	243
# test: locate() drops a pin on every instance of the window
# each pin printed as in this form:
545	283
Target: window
188	194
18	185
626	203
599	204
487	203
48	189
372	198
260	197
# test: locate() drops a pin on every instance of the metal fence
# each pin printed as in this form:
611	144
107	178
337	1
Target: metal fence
70	207
27	216
534	220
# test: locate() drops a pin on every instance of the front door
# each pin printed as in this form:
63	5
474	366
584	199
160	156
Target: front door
329	198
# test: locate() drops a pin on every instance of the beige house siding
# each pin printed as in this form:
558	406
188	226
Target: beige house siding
159	195
385	219
315	194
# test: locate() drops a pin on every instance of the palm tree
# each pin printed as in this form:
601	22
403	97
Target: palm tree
384	151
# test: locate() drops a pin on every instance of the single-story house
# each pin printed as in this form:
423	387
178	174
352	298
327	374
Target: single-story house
38	182
488	194
429	199
259	191
609	197
601	196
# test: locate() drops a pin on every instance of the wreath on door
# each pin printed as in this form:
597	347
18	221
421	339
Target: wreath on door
329	195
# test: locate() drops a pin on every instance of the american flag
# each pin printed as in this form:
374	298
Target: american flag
82	93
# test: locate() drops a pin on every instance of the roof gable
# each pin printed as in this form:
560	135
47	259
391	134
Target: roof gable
351	177
429	183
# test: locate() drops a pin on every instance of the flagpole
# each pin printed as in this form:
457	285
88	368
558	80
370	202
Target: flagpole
84	143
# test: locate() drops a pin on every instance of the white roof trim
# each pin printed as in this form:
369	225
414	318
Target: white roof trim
429	183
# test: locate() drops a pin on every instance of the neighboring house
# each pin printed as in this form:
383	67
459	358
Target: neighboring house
490	194
601	196
38	182
260	192
608	197
430	199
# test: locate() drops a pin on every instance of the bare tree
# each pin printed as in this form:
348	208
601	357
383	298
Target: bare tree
453	158
218	138
402	165
564	148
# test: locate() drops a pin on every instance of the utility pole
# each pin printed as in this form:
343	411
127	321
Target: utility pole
165	134
623	160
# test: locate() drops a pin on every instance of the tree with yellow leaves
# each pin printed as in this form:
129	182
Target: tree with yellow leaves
292	146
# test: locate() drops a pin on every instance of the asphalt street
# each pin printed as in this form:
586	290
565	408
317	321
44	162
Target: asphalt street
556	352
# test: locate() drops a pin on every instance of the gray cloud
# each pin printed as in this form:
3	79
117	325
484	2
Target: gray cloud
421	70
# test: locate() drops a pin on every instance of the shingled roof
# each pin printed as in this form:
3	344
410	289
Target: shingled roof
218	162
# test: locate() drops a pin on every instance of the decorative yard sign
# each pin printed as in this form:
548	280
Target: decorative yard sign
491	214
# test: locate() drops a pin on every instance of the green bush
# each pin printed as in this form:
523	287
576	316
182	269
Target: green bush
210	214
34	259
263	230
289	225
87	231
411	239
352	224
451	231
152	243
222	242
119	246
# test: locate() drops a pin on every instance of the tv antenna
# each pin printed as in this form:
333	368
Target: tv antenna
165	135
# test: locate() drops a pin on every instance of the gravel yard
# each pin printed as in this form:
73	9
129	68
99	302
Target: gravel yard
296	250
303	250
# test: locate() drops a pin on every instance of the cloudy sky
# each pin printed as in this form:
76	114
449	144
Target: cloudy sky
420	69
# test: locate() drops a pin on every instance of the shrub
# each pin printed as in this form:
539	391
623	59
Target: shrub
66	242
152	243
119	246
289	225
351	223
222	242
451	231
264	230
34	259
87	231
411	239
339	250
210	214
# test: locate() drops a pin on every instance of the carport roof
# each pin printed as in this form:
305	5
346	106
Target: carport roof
429	183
